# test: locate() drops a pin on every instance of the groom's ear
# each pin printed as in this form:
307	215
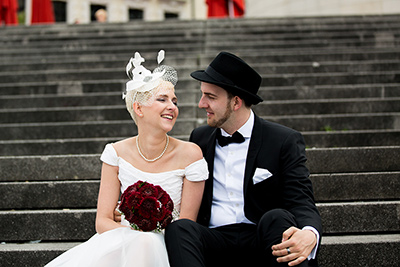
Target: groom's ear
237	103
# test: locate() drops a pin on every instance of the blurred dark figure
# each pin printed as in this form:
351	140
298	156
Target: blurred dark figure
101	15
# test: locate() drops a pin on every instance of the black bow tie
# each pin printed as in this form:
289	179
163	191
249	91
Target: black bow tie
225	140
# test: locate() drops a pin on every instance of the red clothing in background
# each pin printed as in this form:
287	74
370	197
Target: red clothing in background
220	8
42	11
8	12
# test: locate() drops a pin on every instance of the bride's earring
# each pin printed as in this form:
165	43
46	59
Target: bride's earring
137	109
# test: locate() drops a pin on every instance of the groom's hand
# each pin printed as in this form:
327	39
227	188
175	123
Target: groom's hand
117	214
300	244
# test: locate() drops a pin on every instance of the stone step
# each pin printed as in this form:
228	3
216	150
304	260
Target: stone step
360	250
62	87
330	91
23	52
216	39
116	67
334	40
188	41
88	113
203	58
156	32
336	251
248	25
84	99
87	93
50	168
339	122
337	187
386	75
326	66
51	225
65	64
314	22
292	23
32	254
115	128
311	79
356	217
322	139
87	167
50	194
352	138
330	106
92	129
58	146
306	55
210	43
353	159
78	224
189	110
72	35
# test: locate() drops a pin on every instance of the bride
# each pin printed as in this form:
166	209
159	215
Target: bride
177	166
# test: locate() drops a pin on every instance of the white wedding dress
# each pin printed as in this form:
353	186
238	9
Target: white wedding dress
124	246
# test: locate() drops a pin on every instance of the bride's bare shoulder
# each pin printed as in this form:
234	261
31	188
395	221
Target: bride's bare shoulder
122	146
188	151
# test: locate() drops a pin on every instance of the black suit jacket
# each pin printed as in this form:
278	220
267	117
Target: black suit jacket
281	151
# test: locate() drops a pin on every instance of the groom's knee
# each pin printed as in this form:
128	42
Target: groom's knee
278	217
179	226
183	242
180	229
272	225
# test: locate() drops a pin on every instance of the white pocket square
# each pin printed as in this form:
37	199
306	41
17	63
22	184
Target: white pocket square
261	175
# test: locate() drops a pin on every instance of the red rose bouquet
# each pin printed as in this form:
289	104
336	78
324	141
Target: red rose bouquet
146	207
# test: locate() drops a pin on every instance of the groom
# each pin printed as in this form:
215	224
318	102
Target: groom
258	207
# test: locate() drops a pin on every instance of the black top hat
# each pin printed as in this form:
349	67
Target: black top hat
234	75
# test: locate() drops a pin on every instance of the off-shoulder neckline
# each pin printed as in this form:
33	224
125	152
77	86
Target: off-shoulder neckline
171	171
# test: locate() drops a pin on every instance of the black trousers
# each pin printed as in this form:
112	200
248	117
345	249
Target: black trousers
190	244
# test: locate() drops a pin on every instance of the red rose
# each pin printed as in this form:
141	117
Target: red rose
147	225
160	214
169	205
163	197
167	220
147	207
149	190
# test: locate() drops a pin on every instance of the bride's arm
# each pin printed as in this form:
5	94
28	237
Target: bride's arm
108	197
192	193
193	184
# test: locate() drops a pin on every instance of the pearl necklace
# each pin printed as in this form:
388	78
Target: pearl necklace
151	160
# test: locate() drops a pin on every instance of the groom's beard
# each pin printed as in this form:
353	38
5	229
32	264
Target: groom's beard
218	122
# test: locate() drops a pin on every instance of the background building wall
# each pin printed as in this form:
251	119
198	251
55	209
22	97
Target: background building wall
79	11
284	8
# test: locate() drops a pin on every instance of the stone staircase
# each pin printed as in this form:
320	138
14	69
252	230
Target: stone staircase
336	79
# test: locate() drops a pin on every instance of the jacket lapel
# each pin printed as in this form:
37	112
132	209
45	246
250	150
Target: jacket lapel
254	148
209	156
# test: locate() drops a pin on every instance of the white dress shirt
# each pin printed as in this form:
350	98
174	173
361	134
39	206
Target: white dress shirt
229	166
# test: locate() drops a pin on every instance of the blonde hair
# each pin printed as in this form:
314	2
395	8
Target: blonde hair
144	84
144	98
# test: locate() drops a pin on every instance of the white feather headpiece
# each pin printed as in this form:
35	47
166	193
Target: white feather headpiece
143	80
